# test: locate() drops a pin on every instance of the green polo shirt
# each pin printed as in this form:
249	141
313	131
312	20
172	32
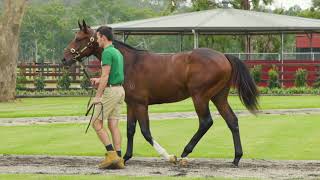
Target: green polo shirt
112	57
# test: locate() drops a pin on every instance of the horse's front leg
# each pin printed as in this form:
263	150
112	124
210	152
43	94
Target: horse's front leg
131	129
141	112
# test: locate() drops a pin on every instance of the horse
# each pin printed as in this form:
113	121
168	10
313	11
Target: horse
203	74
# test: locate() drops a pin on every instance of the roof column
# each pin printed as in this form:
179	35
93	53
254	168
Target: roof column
195	39
181	42
123	37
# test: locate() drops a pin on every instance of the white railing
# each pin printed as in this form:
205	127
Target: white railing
302	56
277	56
257	56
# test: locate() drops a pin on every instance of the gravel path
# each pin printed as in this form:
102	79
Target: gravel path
156	116
262	169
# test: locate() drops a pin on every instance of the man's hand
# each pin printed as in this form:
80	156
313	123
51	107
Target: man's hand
96	100
95	82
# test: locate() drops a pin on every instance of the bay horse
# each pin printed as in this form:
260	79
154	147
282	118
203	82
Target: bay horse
203	74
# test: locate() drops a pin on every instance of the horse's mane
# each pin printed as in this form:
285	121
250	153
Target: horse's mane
117	43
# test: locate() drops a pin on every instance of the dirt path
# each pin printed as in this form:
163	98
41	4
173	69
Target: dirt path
265	169
156	116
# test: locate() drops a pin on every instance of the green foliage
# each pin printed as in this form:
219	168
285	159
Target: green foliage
316	84
256	73
316	4
289	91
39	83
47	26
85	83
64	82
301	78
58	92
21	82
199	5
273	81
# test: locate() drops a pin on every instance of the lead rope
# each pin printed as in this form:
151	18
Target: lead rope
92	106
101	112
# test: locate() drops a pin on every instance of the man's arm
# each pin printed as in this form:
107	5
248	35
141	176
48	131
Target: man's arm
103	80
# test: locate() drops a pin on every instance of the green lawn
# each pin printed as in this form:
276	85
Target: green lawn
95	177
263	137
76	106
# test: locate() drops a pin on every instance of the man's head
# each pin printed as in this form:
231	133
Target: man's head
104	36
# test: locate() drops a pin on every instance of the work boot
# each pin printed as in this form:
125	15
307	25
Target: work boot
111	158
118	165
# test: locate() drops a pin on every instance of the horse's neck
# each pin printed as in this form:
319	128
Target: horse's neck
98	52
131	56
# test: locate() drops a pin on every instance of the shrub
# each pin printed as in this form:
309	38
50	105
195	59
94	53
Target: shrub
316	84
301	78
21	82
70	92
273	81
39	83
256	73
85	83
64	82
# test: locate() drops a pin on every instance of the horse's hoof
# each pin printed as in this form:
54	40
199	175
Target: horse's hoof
173	159
126	158
183	162
235	164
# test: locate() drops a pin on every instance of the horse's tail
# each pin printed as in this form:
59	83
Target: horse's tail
242	80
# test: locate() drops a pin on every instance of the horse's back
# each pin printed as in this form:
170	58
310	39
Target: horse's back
208	70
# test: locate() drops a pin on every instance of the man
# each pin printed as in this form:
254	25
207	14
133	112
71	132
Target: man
110	94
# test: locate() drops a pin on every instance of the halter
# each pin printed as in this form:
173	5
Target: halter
78	53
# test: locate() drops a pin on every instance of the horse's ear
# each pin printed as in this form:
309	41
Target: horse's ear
80	27
85	28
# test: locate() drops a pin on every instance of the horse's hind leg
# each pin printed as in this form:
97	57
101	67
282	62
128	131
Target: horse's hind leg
201	105
131	129
141	112
221	102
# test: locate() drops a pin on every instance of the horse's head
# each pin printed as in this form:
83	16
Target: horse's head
84	44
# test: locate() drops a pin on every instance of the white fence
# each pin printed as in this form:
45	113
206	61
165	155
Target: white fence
277	56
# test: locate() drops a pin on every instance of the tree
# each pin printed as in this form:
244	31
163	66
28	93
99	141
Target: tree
44	31
245	4
316	4
10	23
199	5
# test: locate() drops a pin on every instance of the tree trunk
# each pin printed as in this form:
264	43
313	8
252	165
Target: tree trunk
10	23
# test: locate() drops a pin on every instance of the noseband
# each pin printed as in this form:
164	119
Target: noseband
76	54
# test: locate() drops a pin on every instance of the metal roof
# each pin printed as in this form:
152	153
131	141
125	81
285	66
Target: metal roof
219	21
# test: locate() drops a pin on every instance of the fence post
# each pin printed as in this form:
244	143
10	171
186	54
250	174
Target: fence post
312	56
281	56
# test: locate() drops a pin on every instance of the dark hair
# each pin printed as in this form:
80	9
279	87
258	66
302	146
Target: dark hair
106	31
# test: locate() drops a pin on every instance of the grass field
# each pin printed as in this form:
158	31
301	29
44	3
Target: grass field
76	106
264	137
95	177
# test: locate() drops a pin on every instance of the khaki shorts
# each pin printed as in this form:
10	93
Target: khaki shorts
112	100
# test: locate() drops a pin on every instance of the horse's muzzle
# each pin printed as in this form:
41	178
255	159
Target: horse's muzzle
66	63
